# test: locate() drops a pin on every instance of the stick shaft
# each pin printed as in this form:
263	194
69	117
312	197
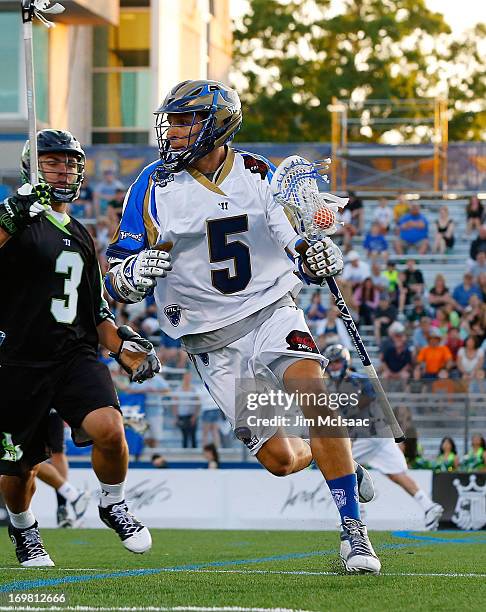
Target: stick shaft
365	360
30	89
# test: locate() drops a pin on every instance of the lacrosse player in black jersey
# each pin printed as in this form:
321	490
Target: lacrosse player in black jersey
53	315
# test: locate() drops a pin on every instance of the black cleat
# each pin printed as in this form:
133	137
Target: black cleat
29	548
134	536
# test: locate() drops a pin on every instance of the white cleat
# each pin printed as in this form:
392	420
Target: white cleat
366	489
433	516
357	554
80	505
135	537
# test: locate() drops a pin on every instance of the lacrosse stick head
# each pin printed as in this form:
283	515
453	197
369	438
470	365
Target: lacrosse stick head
39	8
295	185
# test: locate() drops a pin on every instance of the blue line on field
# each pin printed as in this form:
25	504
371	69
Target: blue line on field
21	585
432	538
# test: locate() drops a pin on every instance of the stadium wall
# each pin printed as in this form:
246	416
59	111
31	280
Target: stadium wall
240	499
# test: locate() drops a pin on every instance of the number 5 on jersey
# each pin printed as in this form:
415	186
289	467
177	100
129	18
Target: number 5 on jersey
71	264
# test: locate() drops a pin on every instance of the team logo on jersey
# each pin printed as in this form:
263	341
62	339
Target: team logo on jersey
173	313
204	358
301	341
470	510
137	237
12	452
256	166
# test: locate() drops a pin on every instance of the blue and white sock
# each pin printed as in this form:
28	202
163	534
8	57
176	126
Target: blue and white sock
344	491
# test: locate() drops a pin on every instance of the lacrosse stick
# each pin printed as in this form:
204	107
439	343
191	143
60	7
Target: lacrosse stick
31	9
295	187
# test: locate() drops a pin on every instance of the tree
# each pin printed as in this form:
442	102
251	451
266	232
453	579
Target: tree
294	57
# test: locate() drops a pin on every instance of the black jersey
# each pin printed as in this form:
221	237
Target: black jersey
51	299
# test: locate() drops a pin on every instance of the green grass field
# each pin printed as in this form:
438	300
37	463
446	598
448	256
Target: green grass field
246	570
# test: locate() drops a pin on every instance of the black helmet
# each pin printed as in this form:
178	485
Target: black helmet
57	141
337	352
220	108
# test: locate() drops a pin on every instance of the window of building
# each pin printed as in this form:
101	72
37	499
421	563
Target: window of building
122	80
10	52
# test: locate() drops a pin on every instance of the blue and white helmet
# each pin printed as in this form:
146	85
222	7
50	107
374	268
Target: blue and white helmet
214	105
337	353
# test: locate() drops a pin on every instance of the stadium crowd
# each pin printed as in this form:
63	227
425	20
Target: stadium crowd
429	337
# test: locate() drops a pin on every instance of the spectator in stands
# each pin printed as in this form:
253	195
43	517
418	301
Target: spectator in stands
447	460
394	329
355	270
445	386
481	280
397	359
105	191
210	419
186	411
355	206
375	243
170	352
418	310
474	316
413	232
470	359
479	266
413	451
479	243
82	208
156	392
385	314
400	209
412	284
394	283
345	228
474	214
383	216
315	311
332	330
367	297
475	459
435	356
114	210
444	236
379	281
441	322
454	341
439	295
212	456
420	336
463	292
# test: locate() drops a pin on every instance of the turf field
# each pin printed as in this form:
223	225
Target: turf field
249	570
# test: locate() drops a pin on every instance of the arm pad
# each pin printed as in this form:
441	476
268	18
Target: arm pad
119	283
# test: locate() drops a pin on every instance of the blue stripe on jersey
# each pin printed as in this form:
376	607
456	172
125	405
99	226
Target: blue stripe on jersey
131	236
271	167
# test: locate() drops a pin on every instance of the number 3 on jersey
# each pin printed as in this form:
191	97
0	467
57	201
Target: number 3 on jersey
64	309
221	250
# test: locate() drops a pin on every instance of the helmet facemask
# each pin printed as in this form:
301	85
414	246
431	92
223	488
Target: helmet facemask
65	177
178	153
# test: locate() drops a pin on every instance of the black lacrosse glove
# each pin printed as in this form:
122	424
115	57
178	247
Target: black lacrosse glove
27	206
136	355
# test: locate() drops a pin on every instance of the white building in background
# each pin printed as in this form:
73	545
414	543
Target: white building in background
104	68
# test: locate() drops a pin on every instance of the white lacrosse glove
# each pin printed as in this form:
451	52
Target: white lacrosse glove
134	278
323	258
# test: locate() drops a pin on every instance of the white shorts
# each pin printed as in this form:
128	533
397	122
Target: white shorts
381	454
263	354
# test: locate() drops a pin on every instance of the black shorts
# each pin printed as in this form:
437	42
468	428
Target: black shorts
74	389
55	433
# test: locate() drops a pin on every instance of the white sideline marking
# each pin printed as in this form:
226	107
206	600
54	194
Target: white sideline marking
309	573
149	609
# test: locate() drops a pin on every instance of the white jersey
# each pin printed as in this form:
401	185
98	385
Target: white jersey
229	238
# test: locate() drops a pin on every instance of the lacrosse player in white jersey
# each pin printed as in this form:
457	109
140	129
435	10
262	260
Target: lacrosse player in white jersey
226	287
